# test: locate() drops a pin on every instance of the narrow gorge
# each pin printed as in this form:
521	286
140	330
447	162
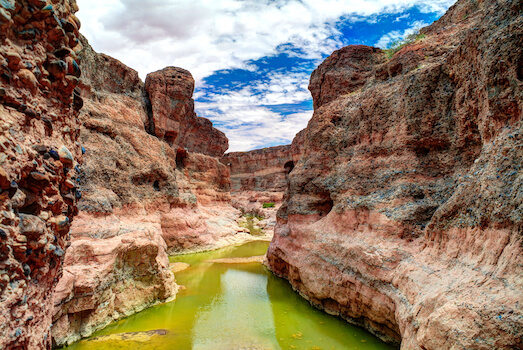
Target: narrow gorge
398	208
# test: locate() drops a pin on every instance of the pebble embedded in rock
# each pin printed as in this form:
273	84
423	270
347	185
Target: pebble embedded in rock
13	58
78	102
5	183
76	71
63	52
28	34
18	200
65	155
68	26
27	269
54	154
57	69
39	176
69	198
31	225
39	4
28	79
48	8
40	148
59	252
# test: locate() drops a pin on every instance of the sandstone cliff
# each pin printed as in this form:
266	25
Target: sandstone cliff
258	183
259	170
39	70
129	172
404	213
143	194
172	116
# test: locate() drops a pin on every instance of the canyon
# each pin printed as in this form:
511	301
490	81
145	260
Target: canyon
148	189
397	209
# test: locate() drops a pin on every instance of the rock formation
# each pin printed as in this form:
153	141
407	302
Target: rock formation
259	170
172	116
404	213
142	195
128	172
258	182
39	153
106	279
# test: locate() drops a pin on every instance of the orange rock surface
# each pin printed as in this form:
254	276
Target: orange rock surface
404	215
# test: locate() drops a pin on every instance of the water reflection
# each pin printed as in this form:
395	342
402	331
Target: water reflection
234	306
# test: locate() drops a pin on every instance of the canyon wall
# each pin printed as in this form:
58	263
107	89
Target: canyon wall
259	170
114	267
151	183
258	183
39	153
404	215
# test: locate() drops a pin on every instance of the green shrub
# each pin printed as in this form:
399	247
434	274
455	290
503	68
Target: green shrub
268	205
250	225
397	45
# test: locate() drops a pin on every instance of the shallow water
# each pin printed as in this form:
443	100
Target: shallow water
232	306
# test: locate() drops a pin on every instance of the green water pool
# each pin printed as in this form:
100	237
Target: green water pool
229	307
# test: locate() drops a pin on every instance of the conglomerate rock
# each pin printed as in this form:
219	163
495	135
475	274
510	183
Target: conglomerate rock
404	214
39	153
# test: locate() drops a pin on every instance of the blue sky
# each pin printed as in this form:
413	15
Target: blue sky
251	59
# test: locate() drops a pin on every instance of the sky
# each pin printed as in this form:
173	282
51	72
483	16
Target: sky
251	59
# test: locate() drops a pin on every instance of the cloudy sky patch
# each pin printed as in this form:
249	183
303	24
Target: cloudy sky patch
251	59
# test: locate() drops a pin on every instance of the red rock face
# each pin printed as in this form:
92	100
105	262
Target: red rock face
39	70
345	71
259	170
404	213
172	115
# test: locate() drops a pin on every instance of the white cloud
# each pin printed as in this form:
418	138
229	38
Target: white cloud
204	36
404	16
245	115
396	35
259	127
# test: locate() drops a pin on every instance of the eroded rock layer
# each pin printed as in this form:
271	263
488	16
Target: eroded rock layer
172	116
258	183
106	279
404	214
259	170
39	153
